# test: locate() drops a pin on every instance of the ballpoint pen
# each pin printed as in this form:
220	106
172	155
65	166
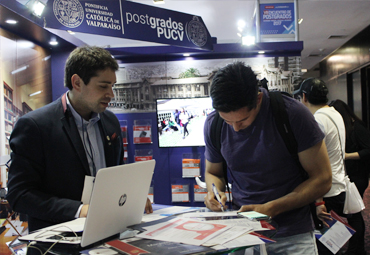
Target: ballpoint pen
215	191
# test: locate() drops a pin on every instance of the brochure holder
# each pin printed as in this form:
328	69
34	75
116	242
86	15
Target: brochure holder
143	155
199	193
180	193
123	124
142	131
190	165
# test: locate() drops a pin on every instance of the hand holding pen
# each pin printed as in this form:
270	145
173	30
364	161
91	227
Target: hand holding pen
217	195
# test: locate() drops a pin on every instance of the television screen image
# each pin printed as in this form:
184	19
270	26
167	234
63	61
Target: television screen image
181	121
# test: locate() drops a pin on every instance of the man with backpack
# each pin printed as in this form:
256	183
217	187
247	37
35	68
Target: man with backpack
267	176
313	93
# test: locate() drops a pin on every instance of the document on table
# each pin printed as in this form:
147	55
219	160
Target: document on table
337	235
184	231
244	240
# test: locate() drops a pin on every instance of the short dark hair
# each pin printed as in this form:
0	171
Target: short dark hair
233	87
86	61
315	90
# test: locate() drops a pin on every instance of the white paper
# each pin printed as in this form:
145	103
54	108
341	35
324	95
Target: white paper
335	237
208	214
244	240
228	235
12	232
88	187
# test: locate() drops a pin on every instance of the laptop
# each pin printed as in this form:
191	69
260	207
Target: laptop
118	200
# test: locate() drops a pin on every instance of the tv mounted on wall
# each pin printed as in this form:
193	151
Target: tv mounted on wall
177	115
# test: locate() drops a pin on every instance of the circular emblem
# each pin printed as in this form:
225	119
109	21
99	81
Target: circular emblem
196	32
68	12
122	200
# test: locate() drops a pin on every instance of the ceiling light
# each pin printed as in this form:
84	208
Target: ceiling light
248	40
186	55
261	52
11	21
19	69
158	1
53	43
300	21
241	23
304	70
36	93
38	8
239	34
71	32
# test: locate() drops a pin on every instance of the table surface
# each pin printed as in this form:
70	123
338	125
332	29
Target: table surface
4	250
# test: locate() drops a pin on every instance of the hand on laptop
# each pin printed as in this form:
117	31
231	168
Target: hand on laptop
84	210
148	206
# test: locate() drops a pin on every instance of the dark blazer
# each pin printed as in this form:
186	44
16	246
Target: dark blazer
49	163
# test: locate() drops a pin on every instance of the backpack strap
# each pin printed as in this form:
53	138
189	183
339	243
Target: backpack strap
282	122
216	128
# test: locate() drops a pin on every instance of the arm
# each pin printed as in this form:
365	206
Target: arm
214	174
352	155
315	162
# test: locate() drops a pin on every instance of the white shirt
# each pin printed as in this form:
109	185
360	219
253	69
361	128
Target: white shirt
336	148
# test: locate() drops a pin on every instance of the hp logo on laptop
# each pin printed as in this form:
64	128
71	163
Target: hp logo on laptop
122	200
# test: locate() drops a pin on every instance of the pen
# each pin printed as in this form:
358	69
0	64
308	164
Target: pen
215	191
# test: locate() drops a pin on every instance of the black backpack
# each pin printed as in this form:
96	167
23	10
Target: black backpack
281	120
282	123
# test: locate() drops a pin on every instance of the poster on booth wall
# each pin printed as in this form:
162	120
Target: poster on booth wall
180	193
190	166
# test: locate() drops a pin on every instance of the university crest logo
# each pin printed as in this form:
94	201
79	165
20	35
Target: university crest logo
196	32
68	12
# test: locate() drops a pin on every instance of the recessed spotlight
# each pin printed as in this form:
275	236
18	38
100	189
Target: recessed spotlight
261	52
53	43
11	21
158	1
304	70
300	21
186	55
71	32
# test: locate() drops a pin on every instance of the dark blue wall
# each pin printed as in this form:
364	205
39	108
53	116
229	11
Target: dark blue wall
168	168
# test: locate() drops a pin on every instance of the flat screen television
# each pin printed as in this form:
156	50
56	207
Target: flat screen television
172	115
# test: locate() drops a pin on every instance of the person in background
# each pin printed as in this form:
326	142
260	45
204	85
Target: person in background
184	119
56	146
313	93
266	177
357	163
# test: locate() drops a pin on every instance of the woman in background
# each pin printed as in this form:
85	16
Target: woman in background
357	166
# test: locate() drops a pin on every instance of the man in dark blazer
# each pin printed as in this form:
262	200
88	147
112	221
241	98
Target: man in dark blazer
56	146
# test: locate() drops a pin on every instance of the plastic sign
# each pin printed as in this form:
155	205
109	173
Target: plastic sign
125	19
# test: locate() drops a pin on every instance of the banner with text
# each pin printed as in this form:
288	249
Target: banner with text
119	18
277	19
